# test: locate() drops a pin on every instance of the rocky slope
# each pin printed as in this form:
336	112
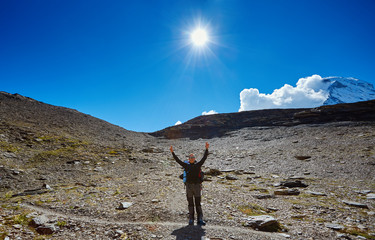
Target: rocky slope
68	180
31	115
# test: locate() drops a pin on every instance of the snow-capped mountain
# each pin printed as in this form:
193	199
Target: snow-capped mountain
348	90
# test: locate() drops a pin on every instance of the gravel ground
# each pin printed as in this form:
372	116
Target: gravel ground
337	160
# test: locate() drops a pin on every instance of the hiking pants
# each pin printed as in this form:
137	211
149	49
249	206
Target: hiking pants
193	194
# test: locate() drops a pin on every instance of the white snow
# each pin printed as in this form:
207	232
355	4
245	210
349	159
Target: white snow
309	92
348	90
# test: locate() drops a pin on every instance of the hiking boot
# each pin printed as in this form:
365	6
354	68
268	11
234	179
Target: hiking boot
200	216
200	222
191	222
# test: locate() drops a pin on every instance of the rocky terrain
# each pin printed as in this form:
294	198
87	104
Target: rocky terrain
67	175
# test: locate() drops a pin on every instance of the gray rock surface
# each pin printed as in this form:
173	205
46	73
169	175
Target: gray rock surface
124	205
292	184
38	221
316	193
291	191
355	204
334	226
262	223
47	229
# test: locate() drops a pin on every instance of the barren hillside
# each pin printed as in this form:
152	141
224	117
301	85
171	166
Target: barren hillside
71	172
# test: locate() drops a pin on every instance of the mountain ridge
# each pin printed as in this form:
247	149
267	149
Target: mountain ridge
217	125
49	118
348	90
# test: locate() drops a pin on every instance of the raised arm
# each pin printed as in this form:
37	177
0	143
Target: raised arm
205	155
177	159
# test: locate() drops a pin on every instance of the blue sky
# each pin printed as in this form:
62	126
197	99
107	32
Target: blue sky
132	63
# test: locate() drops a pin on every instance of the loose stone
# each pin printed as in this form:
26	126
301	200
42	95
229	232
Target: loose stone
355	204
231	177
263	223
316	193
291	184
334	226
124	205
287	192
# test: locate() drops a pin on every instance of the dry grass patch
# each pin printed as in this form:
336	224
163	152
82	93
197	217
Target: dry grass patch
252	209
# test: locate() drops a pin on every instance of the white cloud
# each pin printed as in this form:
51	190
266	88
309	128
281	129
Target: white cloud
209	112
309	92
178	123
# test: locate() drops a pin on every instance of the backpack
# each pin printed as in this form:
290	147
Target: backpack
200	175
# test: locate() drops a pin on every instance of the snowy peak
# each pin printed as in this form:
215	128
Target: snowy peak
348	90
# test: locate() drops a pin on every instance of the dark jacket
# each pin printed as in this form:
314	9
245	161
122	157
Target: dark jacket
192	170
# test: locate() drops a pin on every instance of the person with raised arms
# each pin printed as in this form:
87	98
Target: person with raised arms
193	179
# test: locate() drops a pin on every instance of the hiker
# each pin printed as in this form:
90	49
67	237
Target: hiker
193	184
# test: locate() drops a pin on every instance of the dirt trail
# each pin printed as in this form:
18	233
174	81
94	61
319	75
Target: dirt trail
182	228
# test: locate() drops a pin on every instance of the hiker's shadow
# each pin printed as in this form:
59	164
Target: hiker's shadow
189	233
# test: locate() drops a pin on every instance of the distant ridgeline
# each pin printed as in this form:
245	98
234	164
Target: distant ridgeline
348	90
17	111
217	125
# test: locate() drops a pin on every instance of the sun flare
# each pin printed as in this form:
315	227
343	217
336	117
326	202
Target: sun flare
199	37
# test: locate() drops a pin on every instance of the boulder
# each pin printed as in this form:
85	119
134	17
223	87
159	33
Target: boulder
263	223
46	229
363	192
296	178
355	204
292	184
263	196
231	177
287	192
46	186
213	172
334	226
17	226
124	205
302	157
38	221
316	193
98	169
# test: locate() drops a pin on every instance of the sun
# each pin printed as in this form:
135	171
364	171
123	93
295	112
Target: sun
199	37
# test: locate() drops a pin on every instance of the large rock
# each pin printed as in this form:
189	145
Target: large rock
42	225
213	172
231	177
287	192
124	205
44	189
46	229
334	226
355	204
292	184
38	221
302	157
263	223
316	193
263	196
